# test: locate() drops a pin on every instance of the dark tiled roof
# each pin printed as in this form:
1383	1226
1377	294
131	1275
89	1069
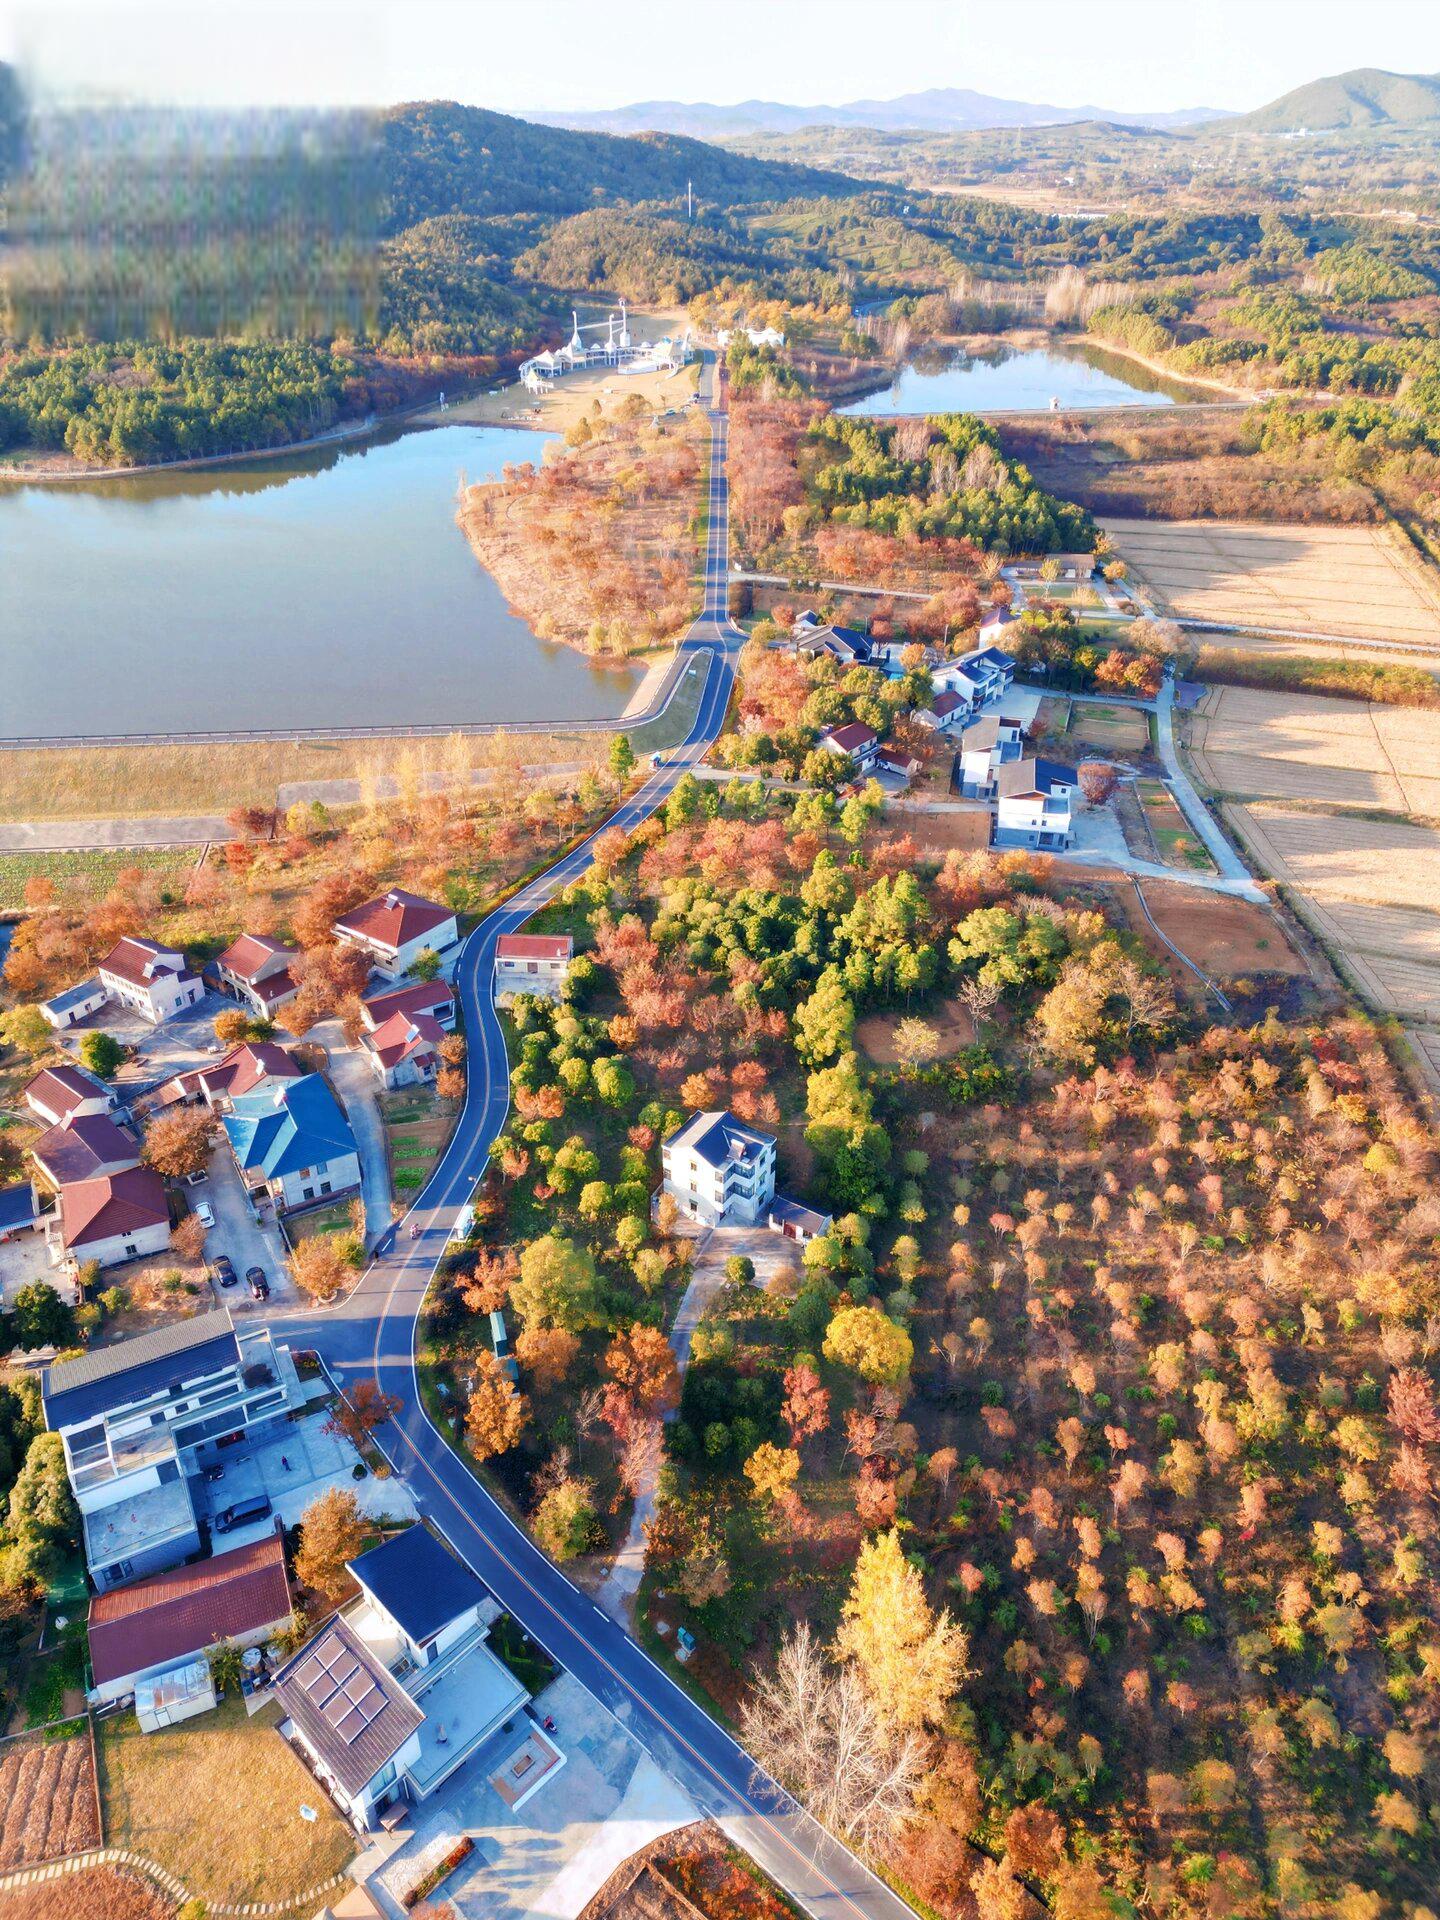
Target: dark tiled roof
18	1206
427	996
82	1146
75	1390
793	1213
418	1581
353	1715
1033	776
61	1090
182	1612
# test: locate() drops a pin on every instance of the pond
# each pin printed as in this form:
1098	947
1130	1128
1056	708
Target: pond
327	588
1007	379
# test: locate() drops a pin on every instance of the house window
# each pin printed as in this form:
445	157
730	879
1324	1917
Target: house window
324	1186
307	1193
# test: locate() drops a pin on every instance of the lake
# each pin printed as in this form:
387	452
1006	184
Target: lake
328	588
1006	379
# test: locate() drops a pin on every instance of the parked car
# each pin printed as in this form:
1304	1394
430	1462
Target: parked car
242	1513
224	1268
215	1471
257	1283
205	1214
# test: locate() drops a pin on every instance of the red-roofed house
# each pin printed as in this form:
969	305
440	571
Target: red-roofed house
854	742
83	1146
435	997
153	980
111	1219
532	963
397	928
56	1093
239	1071
405	1049
142	1630
257	971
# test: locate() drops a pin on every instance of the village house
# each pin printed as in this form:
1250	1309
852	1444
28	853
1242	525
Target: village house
400	1689
992	666
984	747
160	1625
722	1173
533	963
846	644
945	712
404	1050
854	742
83	1146
1033	803
75	1004
139	1420
971	687
57	1093
250	1064
154	981
292	1143
109	1219
258	972
895	769
435	997
396	929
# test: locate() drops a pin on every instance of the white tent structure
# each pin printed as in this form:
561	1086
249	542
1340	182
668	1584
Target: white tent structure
616	349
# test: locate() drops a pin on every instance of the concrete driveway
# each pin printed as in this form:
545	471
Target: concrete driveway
294	1462
548	1859
358	1088
173	1047
26	1259
238	1233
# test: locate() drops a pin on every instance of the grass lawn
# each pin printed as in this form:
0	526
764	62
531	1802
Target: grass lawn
673	726
96	870
217	1800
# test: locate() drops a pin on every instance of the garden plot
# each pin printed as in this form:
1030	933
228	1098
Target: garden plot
1359	581
1293	746
47	1800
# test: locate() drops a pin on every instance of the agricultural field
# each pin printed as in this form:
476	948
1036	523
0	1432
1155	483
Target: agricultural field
1360	581
91	869
99	1893
1308	747
1176	843
1077	729
47	1801
417	1125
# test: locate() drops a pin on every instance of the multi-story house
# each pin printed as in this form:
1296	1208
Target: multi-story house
292	1143
533	963
400	1689
396	929
984	748
258	972
721	1171
140	1420
854	742
154	981
1033	803
435	997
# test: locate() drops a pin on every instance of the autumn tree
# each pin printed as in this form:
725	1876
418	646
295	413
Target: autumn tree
816	1727
26	1029
640	1361
870	1344
320	1266
565	1522
1098	780
231	1026
358	1412
496	1415
772	1472
180	1142
547	1354
910	1660
332	1532
806	1406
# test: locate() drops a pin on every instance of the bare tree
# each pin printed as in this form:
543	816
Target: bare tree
1098	780
978	995
812	1725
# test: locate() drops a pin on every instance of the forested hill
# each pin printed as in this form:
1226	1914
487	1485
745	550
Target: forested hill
1365	97
444	158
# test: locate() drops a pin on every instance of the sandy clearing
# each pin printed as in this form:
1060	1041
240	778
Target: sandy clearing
950	1021
1225	937
1355	580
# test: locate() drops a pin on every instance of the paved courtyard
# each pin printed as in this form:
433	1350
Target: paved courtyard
26	1259
547	1859
294	1463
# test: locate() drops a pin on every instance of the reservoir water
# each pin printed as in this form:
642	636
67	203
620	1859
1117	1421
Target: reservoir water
328	588
1006	379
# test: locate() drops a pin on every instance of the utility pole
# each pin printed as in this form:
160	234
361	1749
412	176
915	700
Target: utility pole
689	199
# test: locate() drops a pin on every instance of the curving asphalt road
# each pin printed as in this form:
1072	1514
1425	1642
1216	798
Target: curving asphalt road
372	1334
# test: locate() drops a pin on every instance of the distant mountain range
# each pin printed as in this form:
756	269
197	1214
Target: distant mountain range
937	110
1366	97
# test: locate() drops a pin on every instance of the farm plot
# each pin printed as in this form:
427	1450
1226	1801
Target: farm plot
1344	580
47	1801
1294	746
1334	856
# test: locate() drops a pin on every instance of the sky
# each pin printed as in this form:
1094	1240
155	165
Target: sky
567	55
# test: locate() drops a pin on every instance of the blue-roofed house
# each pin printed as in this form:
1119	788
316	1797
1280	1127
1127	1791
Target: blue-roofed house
846	644
722	1173
292	1143
400	1689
